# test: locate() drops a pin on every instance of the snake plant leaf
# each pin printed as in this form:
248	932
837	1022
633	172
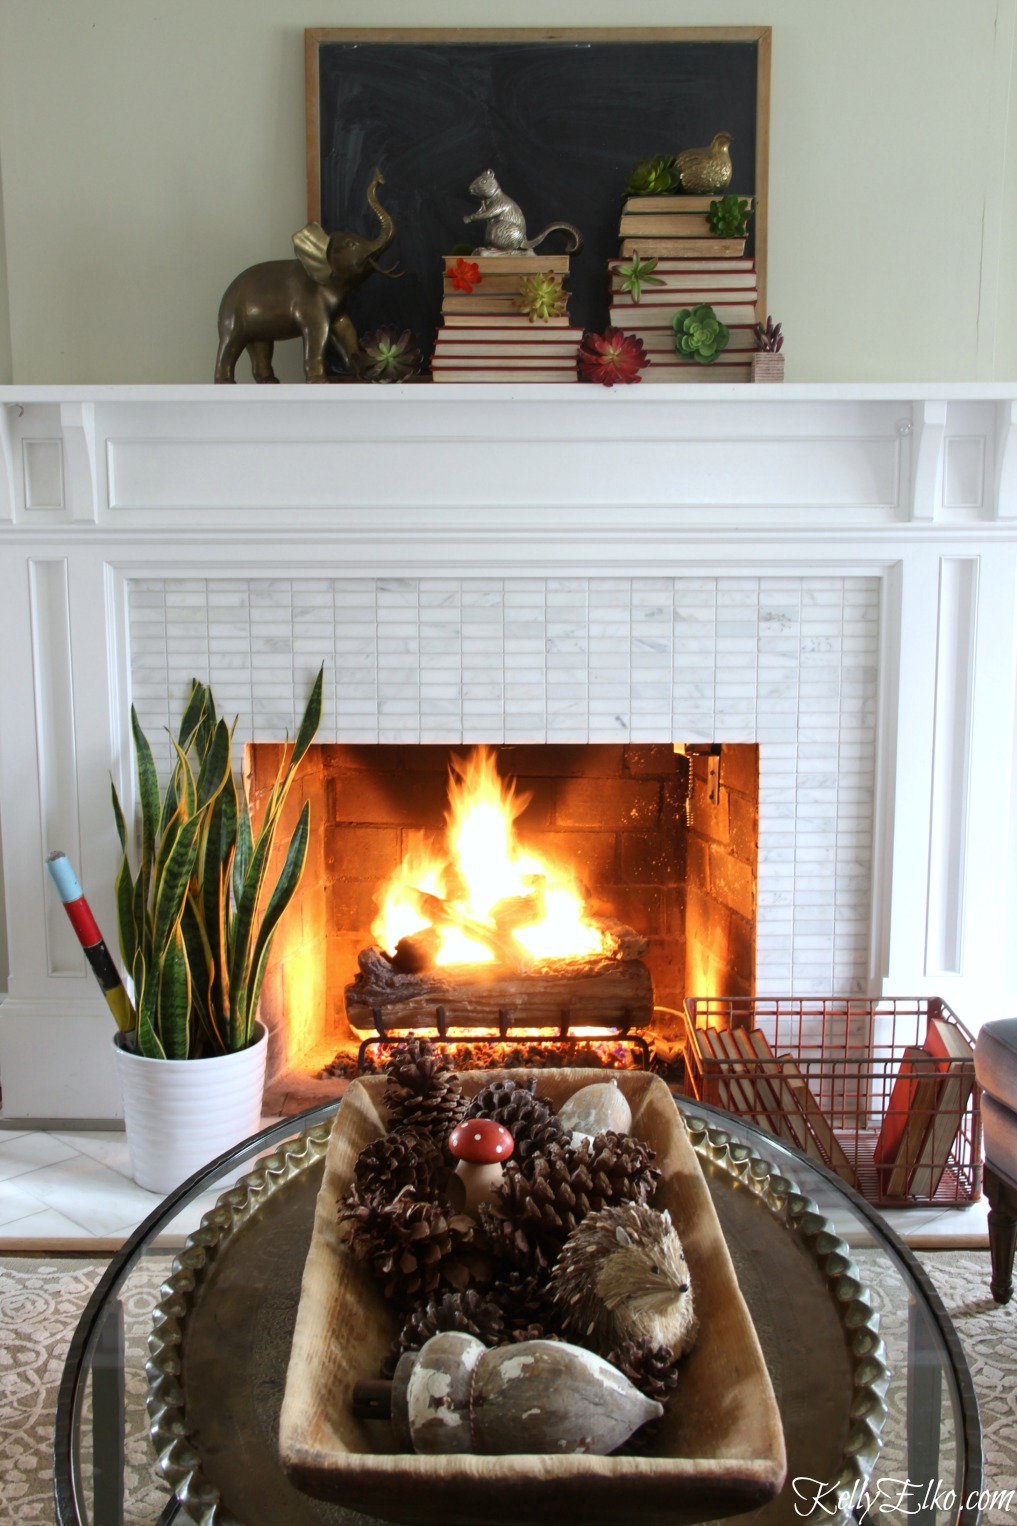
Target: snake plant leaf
174	999
148	789
215	766
184	780
118	817
206	726
243	927
191	719
145	999
199	960
309	724
171	888
244	849
281	896
127	925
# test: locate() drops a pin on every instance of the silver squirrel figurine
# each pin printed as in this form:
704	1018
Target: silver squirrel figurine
506	225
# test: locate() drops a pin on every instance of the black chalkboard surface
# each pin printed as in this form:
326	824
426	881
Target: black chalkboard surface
560	117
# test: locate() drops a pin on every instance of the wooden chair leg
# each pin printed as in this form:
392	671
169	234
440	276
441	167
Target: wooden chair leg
1002	1197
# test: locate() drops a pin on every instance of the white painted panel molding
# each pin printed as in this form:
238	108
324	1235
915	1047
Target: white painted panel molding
54	730
955	652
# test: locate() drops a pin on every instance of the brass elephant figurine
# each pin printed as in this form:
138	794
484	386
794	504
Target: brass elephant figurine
301	298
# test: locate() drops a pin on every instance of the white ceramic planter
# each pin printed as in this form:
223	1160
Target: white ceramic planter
180	1114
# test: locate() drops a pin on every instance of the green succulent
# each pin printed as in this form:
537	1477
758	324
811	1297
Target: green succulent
541	297
196	923
653	177
728	216
637	274
388	355
699	334
462	249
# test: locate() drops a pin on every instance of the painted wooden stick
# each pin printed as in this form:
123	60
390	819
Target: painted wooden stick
80	916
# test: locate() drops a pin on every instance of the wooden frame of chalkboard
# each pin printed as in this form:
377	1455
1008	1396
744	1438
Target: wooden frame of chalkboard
560	115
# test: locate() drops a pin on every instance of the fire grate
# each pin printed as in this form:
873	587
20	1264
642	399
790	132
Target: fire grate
445	1033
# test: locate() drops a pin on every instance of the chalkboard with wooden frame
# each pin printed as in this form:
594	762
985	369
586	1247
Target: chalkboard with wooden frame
561	116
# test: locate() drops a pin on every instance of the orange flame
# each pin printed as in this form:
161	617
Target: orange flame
485	872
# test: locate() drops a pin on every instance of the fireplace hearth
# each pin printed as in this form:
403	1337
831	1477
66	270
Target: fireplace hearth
825	574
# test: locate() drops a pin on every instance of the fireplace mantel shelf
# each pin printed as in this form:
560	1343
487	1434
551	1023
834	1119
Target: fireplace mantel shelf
829	570
502	467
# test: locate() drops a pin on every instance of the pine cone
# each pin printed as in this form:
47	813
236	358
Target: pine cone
422	1092
404	1158
653	1369
415	1248
531	1120
619	1169
537	1206
470	1311
524	1305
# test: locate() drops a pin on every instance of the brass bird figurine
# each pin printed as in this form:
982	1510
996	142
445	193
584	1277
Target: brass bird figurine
621	1276
703	170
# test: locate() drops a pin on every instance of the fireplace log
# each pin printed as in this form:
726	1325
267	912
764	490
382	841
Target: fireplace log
601	992
441	913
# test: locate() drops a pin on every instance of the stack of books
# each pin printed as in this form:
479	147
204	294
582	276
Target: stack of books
674	227
485	338
727	285
926	1110
772	1092
696	267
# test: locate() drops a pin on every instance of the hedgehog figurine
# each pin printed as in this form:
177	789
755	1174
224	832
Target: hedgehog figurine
621	1276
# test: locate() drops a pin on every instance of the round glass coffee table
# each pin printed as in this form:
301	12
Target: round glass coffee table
803	1245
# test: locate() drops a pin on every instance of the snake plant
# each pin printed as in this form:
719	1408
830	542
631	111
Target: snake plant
194	923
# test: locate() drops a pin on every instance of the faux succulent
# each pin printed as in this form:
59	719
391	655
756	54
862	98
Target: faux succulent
699	334
462	248
653	177
386	355
769	339
637	274
465	275
541	297
611	358
728	216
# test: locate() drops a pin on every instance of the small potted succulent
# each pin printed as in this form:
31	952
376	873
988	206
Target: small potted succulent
699	334
728	217
611	358
386	355
541	297
657	176
767	361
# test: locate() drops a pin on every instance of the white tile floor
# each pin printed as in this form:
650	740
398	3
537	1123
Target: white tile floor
72	1184
76	1185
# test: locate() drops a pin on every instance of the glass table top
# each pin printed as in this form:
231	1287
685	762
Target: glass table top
930	1460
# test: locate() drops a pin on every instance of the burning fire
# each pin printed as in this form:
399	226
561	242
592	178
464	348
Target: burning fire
481	891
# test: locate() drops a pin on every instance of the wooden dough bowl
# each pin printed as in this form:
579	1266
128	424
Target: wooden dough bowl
720	1450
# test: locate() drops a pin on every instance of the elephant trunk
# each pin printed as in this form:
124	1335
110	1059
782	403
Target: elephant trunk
386	225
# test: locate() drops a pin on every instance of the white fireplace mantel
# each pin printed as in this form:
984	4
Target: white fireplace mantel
127	513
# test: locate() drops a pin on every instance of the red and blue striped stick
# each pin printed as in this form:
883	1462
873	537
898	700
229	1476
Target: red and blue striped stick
87	928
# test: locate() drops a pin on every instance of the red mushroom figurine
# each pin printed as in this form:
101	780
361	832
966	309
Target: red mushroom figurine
481	1147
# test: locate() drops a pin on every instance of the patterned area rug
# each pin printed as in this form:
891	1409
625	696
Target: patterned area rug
41	1302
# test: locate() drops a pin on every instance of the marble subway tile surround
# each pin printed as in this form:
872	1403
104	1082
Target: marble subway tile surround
788	662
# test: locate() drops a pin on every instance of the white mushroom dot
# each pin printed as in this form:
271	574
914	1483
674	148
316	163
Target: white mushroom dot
498	1149
478	1136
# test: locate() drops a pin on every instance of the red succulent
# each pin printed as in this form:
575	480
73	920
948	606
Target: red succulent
465	274
612	357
